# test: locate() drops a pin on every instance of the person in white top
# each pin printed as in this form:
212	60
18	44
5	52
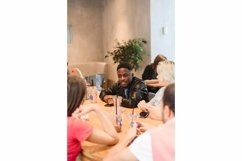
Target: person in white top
155	144
166	76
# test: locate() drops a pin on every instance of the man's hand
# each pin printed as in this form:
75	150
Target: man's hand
108	99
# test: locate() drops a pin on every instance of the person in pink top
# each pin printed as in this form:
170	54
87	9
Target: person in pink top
156	144
79	130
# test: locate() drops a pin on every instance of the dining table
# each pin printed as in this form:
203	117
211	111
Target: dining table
96	152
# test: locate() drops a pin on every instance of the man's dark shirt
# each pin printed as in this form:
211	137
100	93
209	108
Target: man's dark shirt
136	91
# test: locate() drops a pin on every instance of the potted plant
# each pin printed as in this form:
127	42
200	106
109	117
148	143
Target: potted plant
130	51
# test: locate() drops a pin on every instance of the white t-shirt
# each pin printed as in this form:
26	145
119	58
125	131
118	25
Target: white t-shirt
141	147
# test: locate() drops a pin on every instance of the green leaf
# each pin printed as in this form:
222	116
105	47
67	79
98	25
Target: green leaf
130	51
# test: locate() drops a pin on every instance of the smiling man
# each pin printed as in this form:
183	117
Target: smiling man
132	89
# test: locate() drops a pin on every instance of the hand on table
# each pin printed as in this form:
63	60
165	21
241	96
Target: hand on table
154	112
109	99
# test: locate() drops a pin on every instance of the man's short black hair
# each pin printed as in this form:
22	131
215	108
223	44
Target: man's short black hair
124	65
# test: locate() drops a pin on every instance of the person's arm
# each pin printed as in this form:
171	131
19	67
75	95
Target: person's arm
120	151
155	102
143	127
106	94
108	99
142	105
109	135
152	81
137	93
123	155
154	111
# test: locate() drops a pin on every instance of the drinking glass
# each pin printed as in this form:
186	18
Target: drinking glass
117	113
132	116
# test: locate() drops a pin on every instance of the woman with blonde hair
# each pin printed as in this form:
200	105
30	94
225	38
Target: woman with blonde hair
166	76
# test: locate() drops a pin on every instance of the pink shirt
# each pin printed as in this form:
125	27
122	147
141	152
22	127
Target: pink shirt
77	132
163	144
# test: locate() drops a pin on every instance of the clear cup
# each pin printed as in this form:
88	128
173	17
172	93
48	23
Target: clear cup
118	122
98	93
117	104
92	94
89	89
117	113
132	117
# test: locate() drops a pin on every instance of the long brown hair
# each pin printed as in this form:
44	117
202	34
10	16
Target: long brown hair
76	91
158	58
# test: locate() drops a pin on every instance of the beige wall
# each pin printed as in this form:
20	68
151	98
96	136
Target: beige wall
85	19
123	20
96	24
